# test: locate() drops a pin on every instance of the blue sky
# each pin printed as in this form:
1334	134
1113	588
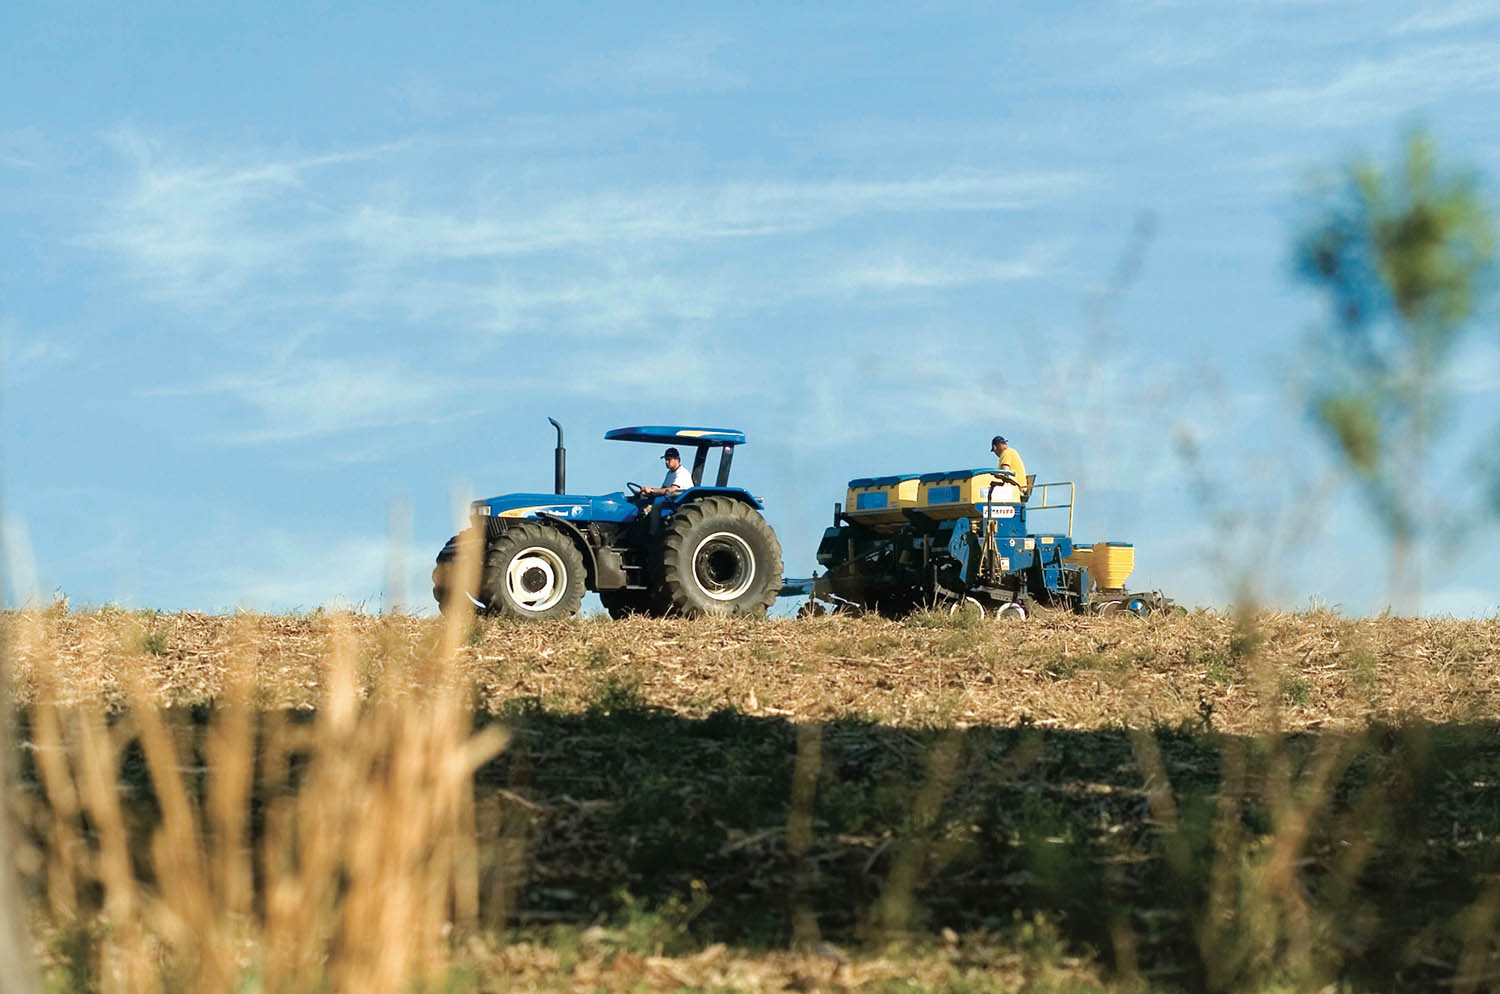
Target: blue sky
282	285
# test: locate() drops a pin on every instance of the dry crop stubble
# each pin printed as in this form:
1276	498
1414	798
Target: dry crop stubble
1061	672
321	821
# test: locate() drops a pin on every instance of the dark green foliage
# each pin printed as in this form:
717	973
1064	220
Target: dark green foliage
616	694
1407	244
75	950
1220	669
598	656
663	929
1354	424
1402	253
1295	690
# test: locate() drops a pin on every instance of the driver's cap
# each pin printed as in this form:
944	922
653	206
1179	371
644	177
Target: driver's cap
672	454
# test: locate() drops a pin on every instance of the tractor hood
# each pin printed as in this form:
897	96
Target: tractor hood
580	507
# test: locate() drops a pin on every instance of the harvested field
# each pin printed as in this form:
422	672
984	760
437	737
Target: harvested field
1182	803
1057	671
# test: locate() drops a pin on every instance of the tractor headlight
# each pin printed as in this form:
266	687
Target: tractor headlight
479	507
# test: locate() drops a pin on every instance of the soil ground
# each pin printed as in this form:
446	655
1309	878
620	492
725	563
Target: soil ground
1186	799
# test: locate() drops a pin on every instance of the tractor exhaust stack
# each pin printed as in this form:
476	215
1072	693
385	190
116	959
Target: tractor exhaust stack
559	462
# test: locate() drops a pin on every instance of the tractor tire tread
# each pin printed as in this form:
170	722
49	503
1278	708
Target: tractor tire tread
446	563
513	540
676	585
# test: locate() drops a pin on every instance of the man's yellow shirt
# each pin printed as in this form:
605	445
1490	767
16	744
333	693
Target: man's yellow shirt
1011	459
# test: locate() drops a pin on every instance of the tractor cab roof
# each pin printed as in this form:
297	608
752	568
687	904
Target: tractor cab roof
677	435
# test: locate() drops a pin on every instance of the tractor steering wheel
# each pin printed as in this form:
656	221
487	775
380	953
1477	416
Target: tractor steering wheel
635	490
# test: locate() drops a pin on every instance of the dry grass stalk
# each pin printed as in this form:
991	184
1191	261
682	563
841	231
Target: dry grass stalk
365	859
893	912
17	965
799	830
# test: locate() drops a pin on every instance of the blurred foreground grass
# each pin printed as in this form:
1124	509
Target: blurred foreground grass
339	802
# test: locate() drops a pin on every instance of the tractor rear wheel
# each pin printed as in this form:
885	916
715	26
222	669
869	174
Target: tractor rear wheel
532	572
719	557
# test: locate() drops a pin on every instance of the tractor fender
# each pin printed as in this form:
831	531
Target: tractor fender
733	493
497	526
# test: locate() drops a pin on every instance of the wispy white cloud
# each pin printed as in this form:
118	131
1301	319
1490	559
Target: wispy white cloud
19	349
690	214
620	300
1438	17
901	270
692	62
306	398
22	148
1239	4
36	351
197	233
1368	89
427	96
685	369
1170	52
320	234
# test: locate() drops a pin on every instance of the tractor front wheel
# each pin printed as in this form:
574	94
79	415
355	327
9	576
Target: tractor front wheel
532	572
719	557
445	575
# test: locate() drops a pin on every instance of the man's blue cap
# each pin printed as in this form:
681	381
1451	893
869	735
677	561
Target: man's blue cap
672	453
997	440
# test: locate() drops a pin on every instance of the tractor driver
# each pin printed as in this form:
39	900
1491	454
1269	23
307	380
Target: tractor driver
678	477
1011	465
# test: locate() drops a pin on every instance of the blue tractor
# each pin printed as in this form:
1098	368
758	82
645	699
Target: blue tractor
703	550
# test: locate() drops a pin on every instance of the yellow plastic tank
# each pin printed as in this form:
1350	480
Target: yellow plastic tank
880	501
1112	564
953	494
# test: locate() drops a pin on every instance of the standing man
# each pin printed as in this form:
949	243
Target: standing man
1010	464
678	477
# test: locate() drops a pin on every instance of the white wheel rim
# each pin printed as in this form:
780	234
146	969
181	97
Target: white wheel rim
958	606
1011	610
723	566
536	579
